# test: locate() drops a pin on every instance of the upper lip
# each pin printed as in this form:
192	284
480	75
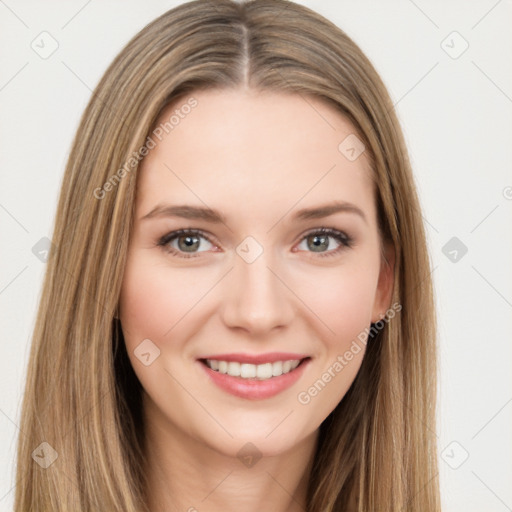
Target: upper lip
270	357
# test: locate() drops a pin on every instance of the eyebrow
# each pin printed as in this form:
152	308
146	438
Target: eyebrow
213	216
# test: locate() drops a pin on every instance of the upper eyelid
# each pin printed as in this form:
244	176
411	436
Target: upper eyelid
179	232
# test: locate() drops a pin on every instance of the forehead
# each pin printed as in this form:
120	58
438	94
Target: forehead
242	148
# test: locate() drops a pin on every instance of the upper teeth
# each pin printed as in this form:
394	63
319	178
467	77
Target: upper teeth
251	371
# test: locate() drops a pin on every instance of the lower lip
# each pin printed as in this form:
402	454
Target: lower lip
254	389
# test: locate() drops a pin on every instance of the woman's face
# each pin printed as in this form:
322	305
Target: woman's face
257	282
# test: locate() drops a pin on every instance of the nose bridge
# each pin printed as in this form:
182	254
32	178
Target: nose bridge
257	299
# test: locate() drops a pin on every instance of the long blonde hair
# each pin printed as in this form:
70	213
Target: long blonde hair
377	449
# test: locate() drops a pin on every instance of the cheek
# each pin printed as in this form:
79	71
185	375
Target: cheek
155	298
354	302
147	301
344	302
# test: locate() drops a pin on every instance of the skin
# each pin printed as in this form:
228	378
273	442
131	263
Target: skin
257	157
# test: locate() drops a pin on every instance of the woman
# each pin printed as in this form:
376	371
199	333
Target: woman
238	312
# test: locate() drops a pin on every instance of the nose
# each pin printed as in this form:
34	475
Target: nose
256	297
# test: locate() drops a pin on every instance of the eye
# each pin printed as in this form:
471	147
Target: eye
319	241
184	242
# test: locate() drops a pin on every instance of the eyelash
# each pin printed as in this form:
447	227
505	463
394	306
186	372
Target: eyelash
346	242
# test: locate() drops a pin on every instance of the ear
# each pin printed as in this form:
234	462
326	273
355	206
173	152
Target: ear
384	291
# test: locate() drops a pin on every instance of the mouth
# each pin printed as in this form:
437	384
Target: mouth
253	381
263	371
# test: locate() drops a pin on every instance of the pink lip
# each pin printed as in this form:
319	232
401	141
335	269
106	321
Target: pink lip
271	357
254	389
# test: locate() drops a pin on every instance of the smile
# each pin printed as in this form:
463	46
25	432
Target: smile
253	371
257	380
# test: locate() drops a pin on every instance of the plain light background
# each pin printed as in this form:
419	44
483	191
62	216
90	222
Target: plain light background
455	106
